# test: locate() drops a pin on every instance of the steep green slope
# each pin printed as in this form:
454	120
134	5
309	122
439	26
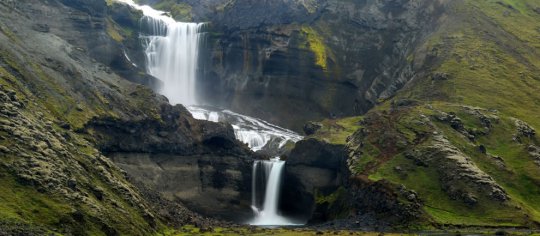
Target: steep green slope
53	178
462	133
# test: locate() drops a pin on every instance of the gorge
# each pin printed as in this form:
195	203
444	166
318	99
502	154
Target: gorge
269	117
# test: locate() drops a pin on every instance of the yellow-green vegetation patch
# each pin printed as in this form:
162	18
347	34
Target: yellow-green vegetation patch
444	210
516	175
367	160
112	31
336	203
492	58
179	11
26	204
336	131
315	43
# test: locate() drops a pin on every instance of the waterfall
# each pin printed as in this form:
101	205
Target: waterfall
172	50
172	53
266	209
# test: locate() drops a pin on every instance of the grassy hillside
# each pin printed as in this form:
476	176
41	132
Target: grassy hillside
471	111
464	127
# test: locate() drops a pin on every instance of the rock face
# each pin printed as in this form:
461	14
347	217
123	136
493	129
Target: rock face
313	169
198	163
315	59
114	42
216	186
460	177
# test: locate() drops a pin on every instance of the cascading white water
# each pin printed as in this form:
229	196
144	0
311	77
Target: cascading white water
173	58
172	50
256	133
266	214
172	53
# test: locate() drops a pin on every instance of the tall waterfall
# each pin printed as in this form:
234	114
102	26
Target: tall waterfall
172	50
172	53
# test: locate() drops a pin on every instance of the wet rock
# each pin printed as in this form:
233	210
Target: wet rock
381	199
311	128
312	167
253	59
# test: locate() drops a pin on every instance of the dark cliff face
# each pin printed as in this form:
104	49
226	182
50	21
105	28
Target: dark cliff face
309	58
197	163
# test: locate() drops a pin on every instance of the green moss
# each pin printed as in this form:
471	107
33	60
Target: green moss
180	11
337	131
8	33
316	44
368	159
444	210
113	32
336	203
20	203
491	52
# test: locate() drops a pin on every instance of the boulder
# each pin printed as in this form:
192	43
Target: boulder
313	168
311	128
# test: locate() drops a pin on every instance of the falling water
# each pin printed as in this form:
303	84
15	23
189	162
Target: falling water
266	211
172	53
172	50
256	133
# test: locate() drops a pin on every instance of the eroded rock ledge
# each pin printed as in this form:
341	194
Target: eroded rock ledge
198	163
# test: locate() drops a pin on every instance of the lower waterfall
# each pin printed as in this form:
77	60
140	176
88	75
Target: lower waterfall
268	173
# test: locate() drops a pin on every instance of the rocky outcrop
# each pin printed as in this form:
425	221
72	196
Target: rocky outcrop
313	169
41	157
523	130
381	205
198	163
459	175
218	186
534	152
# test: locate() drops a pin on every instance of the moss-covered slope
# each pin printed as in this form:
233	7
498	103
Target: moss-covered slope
53	178
461	135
